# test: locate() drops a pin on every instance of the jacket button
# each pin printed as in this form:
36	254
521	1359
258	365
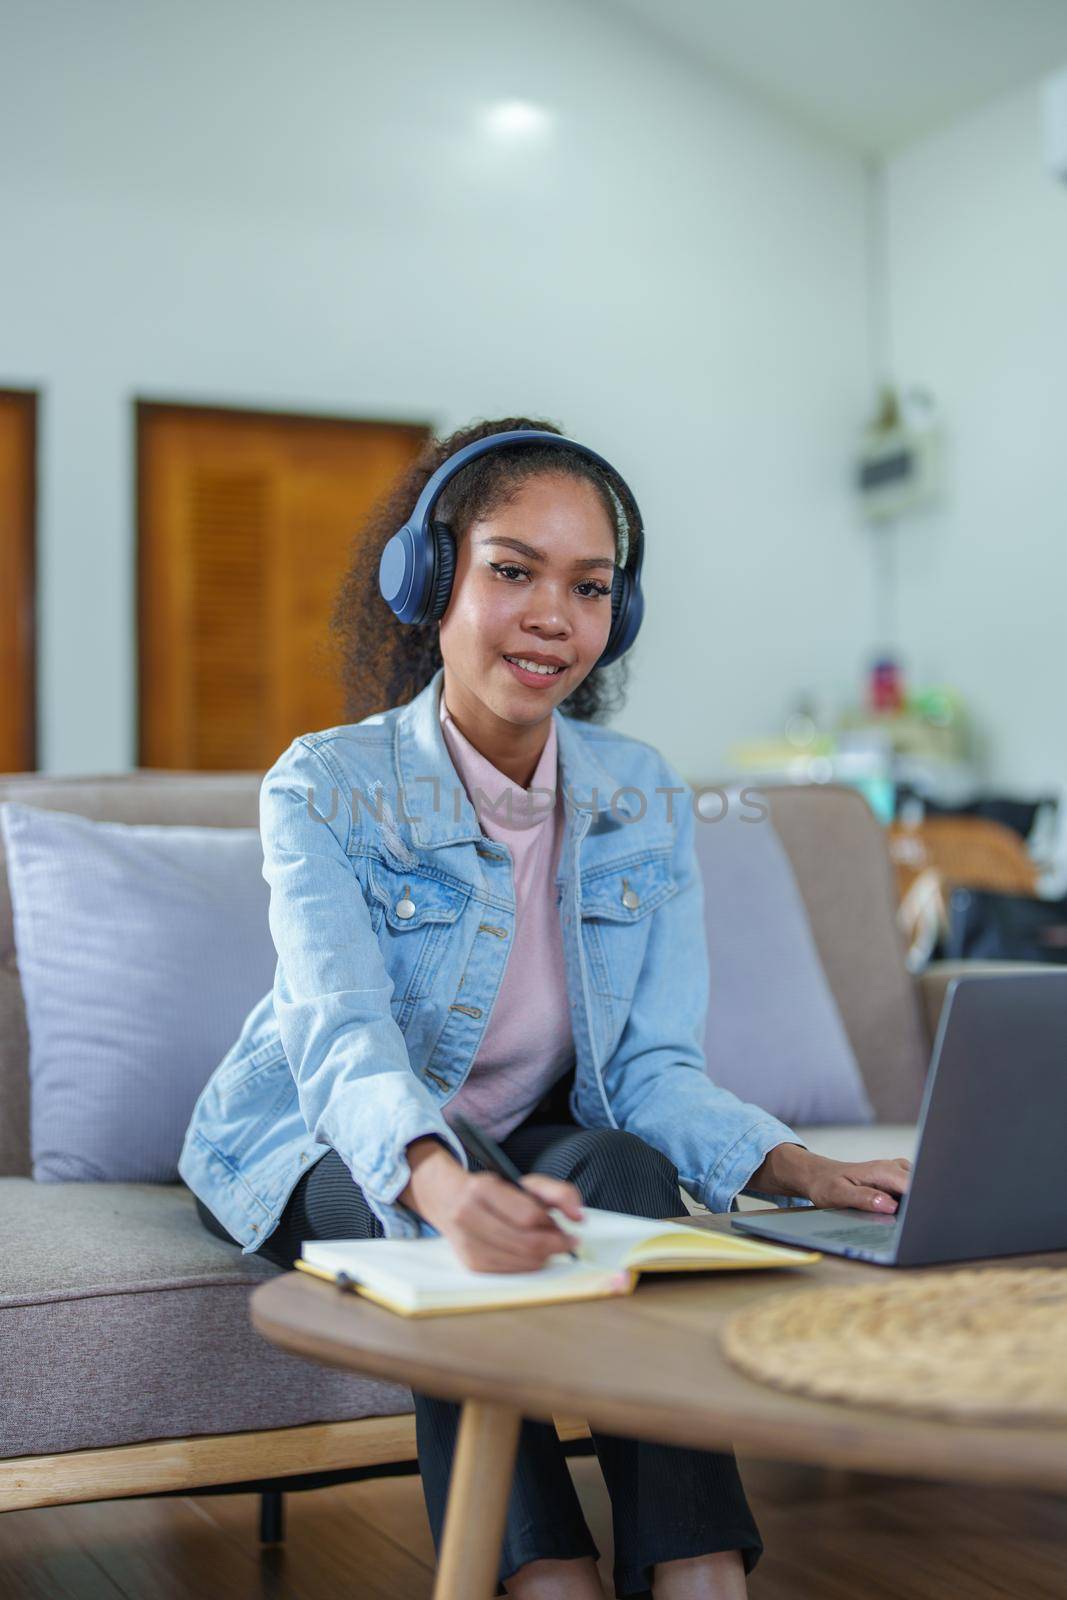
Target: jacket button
405	906
629	899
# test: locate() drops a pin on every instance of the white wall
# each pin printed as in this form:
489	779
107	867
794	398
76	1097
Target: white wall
267	205
978	289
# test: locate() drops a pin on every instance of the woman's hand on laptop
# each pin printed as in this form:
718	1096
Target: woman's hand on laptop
862	1185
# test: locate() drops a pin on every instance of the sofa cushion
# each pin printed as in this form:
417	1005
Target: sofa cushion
141	950
841	863
774	1035
197	799
883	1140
122	1318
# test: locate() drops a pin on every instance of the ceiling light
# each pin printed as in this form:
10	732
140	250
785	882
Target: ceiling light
517	119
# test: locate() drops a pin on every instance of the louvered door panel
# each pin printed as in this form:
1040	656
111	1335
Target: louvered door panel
245	528
18	429
230	566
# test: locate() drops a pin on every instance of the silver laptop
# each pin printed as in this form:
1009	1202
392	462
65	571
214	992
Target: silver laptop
987	1177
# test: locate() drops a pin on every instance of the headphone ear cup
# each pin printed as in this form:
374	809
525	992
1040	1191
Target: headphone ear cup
444	569
621	589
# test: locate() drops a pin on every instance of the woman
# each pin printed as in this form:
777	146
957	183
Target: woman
482	903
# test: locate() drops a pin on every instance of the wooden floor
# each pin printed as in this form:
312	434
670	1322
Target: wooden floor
826	1535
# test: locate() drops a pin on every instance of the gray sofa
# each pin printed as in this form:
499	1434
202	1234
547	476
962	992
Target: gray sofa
131	1366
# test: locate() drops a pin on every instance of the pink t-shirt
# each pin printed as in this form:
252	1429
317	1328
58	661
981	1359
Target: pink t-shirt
527	1045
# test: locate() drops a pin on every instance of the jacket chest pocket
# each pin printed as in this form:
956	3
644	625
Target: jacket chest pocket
617	905
411	915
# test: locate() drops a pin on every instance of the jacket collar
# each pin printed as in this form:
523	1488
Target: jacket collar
436	808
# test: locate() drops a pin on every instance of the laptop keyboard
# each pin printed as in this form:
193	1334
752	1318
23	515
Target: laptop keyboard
867	1234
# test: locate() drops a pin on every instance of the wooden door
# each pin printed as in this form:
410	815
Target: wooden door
245	522
18	605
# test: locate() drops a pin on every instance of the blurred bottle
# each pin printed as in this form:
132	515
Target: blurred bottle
885	687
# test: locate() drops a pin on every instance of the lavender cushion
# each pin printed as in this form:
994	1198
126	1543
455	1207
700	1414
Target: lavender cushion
141	949
774	1034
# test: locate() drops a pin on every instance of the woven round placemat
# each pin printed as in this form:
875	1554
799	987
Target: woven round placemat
979	1345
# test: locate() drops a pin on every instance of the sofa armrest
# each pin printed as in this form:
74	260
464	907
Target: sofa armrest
934	981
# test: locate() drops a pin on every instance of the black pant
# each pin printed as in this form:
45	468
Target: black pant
666	1502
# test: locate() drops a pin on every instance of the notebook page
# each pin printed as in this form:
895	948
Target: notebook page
423	1271
613	1240
608	1237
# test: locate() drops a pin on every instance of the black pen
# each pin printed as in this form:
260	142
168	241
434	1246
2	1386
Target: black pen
486	1150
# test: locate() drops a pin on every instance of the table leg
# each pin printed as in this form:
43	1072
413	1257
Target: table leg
478	1491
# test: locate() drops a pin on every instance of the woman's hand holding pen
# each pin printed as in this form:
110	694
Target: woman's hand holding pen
491	1225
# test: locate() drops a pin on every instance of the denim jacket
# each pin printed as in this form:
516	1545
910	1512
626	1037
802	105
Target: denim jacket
392	913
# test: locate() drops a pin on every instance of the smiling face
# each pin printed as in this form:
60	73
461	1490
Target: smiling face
533	586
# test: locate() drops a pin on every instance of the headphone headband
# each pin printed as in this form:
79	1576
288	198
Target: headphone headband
417	565
498	441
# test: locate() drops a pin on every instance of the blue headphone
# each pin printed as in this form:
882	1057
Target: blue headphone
418	564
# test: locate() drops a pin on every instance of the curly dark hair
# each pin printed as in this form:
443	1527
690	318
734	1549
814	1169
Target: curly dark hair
385	663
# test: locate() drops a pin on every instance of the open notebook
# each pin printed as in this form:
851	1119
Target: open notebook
424	1277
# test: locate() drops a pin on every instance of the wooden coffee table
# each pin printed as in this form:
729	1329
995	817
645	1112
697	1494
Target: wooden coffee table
646	1365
